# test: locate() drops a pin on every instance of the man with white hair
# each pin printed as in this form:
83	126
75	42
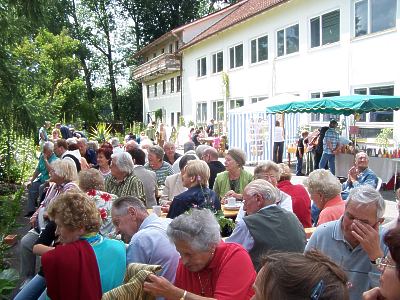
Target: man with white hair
266	226
123	181
354	241
39	177
86	152
359	175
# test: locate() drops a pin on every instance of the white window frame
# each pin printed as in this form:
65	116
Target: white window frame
164	87
284	40
199	67
234	55
215	54
215	114
235	101
172	85
178	83
155	89
257	53
320	28
256	99
321	95
369	20
202	113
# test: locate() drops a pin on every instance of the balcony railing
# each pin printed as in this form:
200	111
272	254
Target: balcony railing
162	64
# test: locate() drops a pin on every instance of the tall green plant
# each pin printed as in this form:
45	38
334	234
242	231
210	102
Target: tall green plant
100	133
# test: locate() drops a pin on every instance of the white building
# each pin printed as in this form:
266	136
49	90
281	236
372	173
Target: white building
259	48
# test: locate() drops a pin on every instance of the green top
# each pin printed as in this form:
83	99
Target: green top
222	184
130	186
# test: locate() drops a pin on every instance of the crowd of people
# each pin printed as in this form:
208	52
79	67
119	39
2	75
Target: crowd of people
90	209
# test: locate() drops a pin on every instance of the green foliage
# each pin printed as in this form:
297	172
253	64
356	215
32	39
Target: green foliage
383	138
101	133
135	128
8	281
158	115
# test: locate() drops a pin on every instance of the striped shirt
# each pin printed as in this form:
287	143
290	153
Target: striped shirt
162	173
333	137
130	186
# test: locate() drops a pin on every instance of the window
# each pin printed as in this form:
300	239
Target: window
378	116
288	40
148	91
373	16
325	29
163	87
170	48
218	110
162	50
202	67
172	119
178	117
236	103
236	56
201	112
155	89
172	84
176	46
154	54
217	60
258	99
259	49
178	83
316	117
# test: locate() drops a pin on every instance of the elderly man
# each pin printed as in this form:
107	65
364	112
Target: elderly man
170	155
147	177
157	165
61	150
266	226
146	235
86	152
210	156
359	175
353	241
39	177
123	181
330	145
130	145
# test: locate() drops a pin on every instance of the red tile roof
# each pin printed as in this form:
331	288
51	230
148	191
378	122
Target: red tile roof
245	10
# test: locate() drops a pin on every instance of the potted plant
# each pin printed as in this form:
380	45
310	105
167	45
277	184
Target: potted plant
226	224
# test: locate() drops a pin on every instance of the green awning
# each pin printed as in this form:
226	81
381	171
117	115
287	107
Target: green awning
339	105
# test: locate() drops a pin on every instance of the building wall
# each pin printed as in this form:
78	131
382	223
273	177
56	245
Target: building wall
366	61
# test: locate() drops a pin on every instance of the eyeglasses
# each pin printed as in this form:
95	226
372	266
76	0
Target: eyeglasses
383	263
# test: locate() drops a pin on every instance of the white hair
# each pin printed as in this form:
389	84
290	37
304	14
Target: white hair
365	195
123	161
324	182
48	145
262	187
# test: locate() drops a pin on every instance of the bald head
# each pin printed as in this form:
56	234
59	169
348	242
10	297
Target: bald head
130	145
210	154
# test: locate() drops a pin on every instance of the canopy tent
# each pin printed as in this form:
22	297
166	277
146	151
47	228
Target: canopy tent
250	128
339	105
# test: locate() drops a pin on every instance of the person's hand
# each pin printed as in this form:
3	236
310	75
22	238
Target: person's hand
353	173
230	194
159	286
368	237
32	221
373	294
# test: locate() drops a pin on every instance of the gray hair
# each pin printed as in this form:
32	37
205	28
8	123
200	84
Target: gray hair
48	145
188	146
262	187
200	150
66	169
83	140
114	142
157	151
361	153
366	195
324	182
91	179
123	161
199	229
266	166
121	205
71	141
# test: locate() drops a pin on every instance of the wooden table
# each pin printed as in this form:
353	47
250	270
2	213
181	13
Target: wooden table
207	140
229	213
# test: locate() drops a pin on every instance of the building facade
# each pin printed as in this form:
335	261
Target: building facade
310	48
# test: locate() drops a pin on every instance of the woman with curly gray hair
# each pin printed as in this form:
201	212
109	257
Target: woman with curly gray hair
324	189
208	268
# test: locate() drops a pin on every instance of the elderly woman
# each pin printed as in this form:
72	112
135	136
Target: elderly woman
232	182
158	165
270	172
173	184
389	266
100	262
91	182
123	181
300	276
208	268
170	155
104	159
324	189
195	178
300	199
63	175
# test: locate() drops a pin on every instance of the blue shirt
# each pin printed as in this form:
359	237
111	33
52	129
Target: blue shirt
151	245
333	137
362	274
366	177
